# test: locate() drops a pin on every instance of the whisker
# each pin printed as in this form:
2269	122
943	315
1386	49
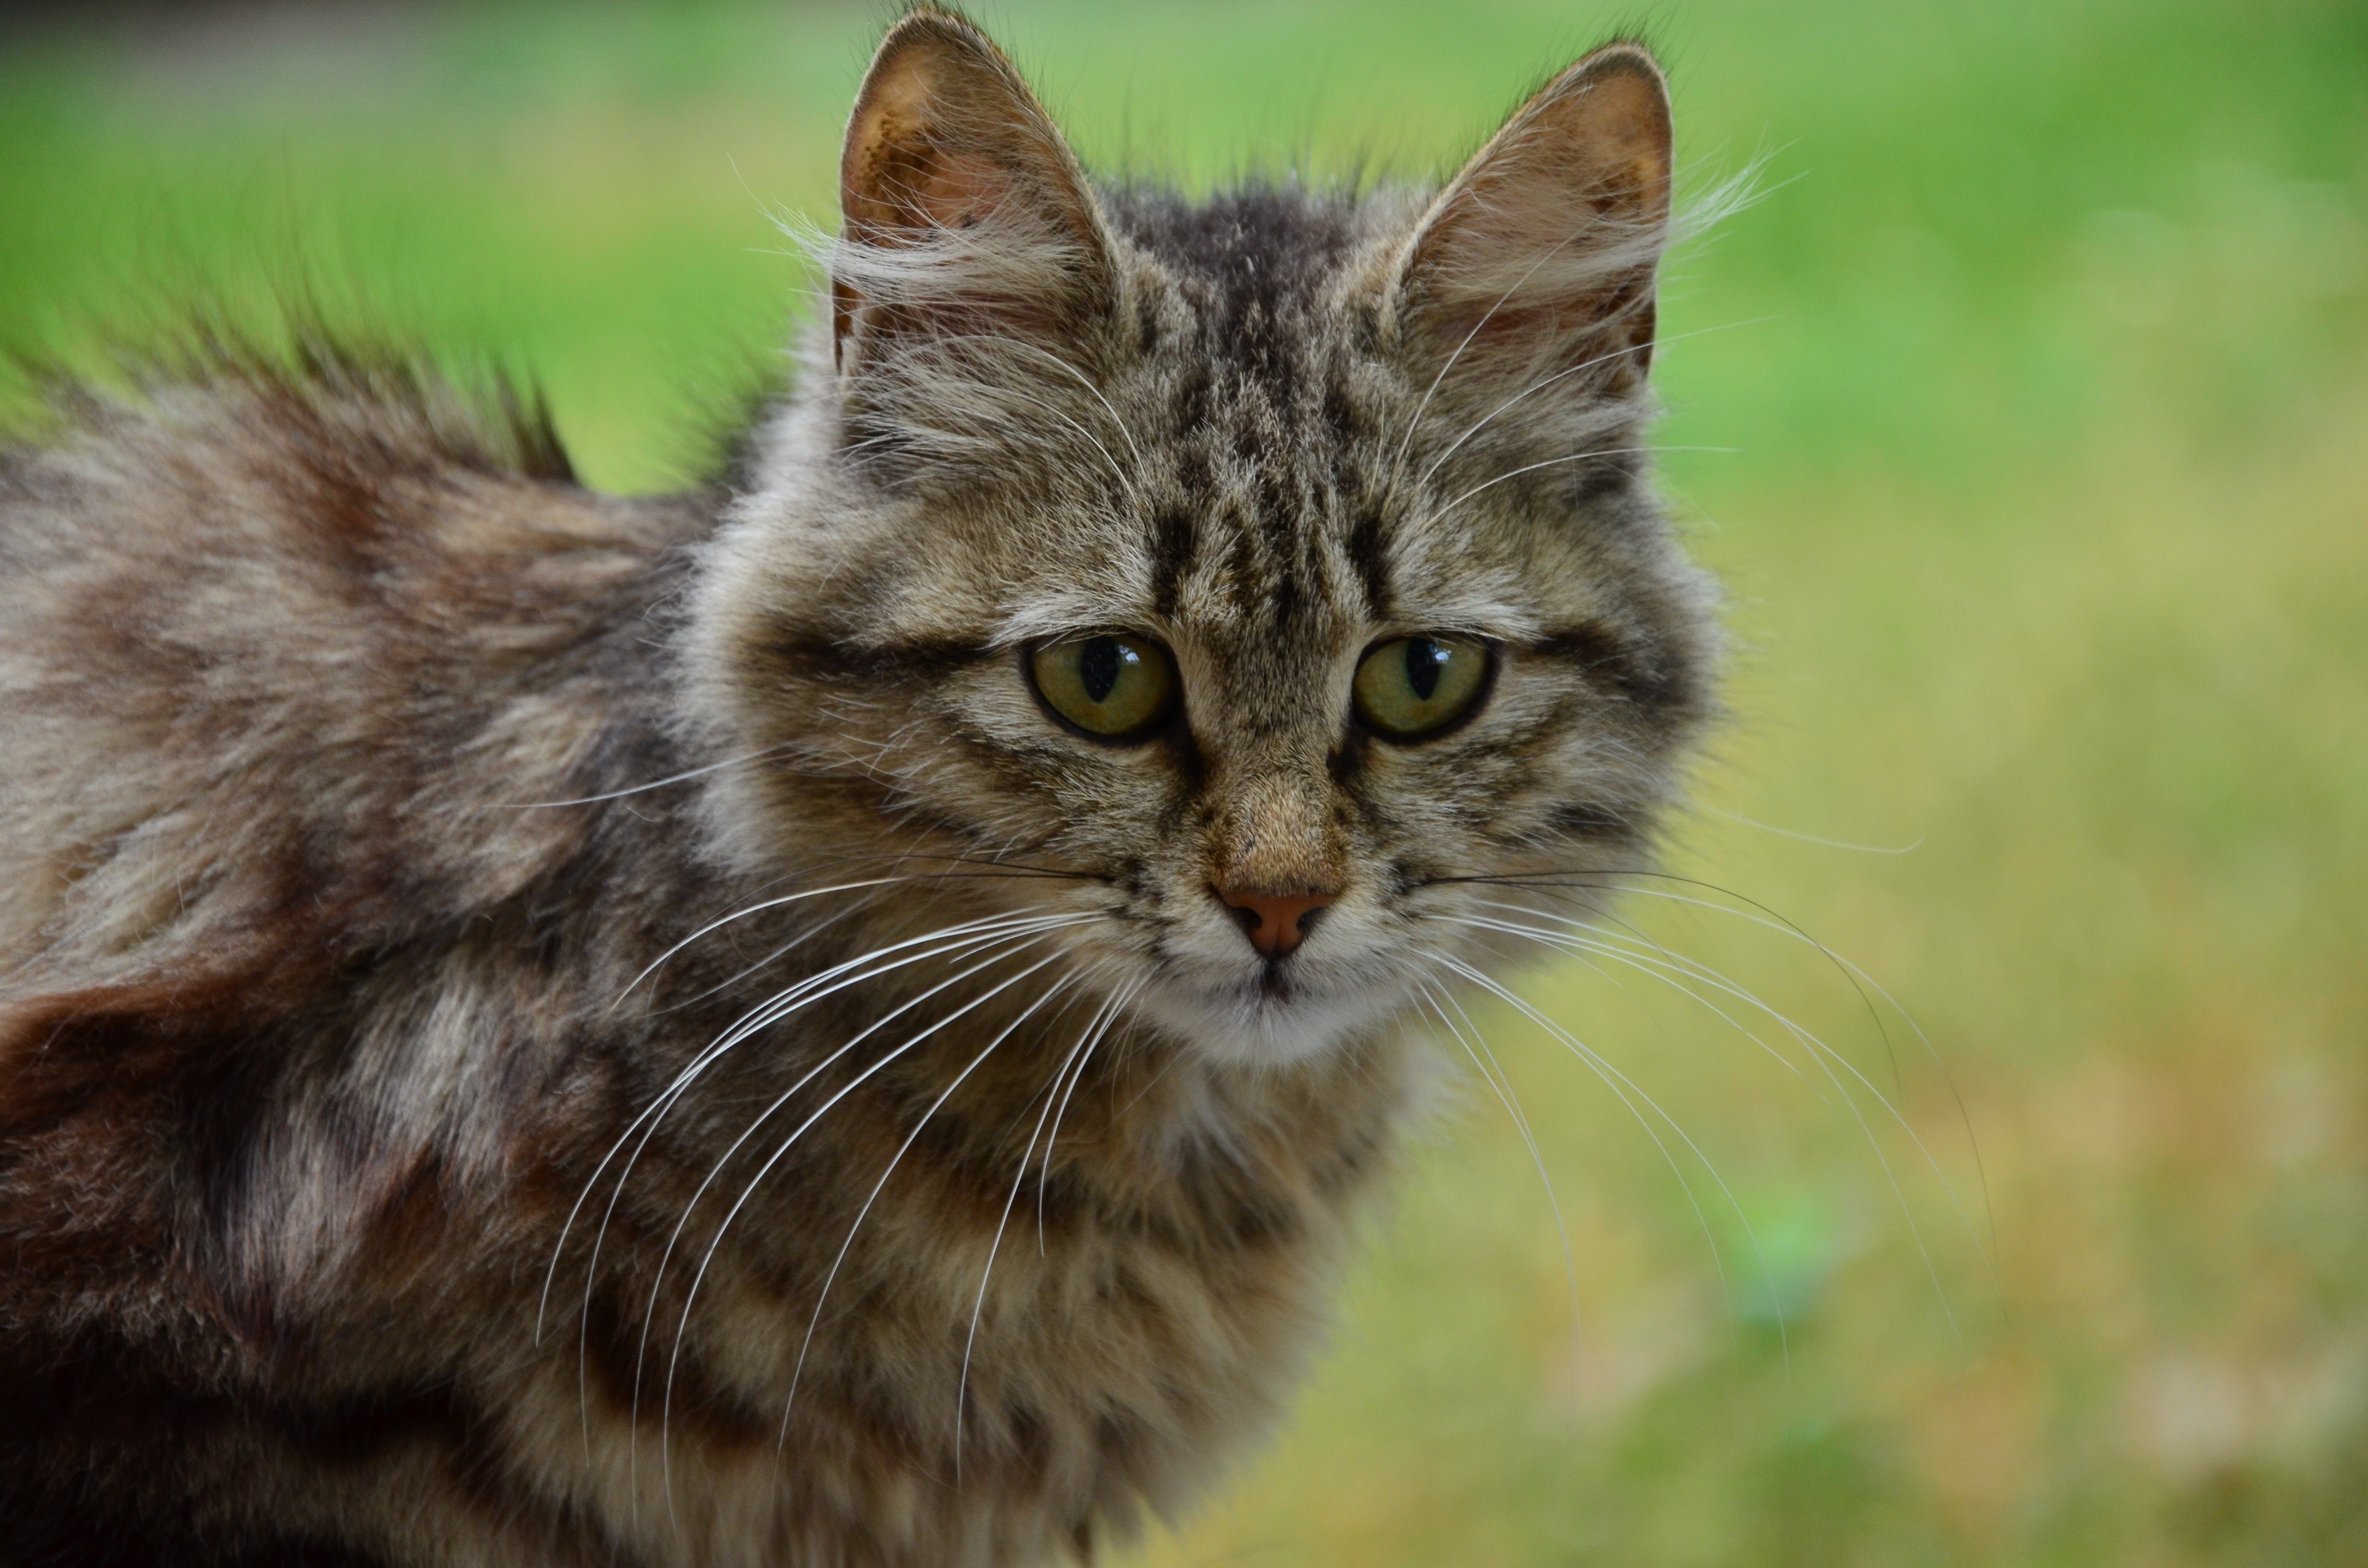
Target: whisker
1079	375
1125	480
1864	982
798	1372
1044	1175
691	1298
738	914
643	789
1621	1090
813	988
963	932
1827	1058
810	933
950	367
1860	981
1823	1054
879	885
1507	1097
1576	944
814	991
1012	872
1810	837
1095	1028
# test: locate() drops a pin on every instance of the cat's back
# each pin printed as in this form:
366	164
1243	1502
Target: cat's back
272	638
287	660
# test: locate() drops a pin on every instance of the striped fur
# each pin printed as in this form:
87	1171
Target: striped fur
390	829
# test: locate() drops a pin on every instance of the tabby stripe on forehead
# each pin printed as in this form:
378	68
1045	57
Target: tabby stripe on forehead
1290	546
1367	556
1174	542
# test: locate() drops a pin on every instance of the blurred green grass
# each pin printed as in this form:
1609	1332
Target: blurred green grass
2044	366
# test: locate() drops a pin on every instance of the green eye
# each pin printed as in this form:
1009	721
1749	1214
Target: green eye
1116	687
1417	685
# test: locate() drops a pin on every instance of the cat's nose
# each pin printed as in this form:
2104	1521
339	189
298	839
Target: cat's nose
1275	923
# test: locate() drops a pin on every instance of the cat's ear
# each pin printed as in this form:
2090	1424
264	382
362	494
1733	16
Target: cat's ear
1538	260
964	210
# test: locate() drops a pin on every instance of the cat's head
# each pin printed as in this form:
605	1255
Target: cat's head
1280	571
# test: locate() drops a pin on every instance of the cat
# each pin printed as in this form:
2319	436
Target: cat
846	1016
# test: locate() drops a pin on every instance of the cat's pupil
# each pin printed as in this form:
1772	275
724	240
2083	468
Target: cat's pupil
1424	658
1098	667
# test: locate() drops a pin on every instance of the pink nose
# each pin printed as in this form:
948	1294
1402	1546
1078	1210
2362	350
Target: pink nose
1276	923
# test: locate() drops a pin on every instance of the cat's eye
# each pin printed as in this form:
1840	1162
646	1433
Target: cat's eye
1112	685
1414	686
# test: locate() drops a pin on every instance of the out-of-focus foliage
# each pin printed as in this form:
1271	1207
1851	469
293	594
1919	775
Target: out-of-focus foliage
2026	414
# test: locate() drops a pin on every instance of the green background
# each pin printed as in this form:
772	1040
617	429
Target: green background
2025	415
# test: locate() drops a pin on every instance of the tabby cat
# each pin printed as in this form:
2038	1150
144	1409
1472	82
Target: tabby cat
845	1017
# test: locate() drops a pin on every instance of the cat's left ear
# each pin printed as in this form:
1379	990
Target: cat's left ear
964	210
1538	260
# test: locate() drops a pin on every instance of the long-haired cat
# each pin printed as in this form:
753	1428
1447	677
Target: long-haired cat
846	1017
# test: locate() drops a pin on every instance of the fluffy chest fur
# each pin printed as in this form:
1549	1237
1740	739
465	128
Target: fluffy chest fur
537	1027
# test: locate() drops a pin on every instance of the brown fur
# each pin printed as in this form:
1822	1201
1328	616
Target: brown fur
403	844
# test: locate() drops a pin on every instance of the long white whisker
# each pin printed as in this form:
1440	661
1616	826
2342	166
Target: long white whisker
1044	1175
1823	1054
1095	1028
691	1296
643	789
1079	375
1038	406
1507	1097
1125	480
1622	1085
1860	978
759	908
806	935
1003	941
973	934
823	1296
811	988
1579	944
1810	837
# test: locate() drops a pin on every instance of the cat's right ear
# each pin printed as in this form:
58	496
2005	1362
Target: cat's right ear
964	210
1536	264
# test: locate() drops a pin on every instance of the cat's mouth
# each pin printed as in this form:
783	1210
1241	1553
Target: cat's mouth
1284	1010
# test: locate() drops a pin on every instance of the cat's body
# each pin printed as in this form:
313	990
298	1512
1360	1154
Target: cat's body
472	950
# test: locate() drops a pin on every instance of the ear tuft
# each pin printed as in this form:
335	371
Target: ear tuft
1539	258
960	201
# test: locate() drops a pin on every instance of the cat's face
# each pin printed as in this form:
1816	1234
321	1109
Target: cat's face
1277	572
